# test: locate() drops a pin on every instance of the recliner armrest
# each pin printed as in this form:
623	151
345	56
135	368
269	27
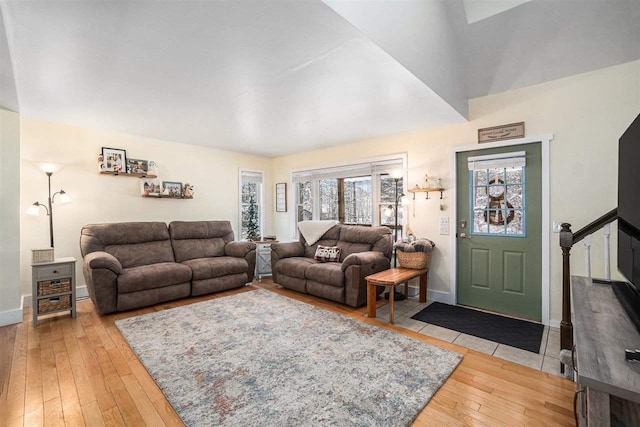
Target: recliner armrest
100	259
239	249
363	258
287	249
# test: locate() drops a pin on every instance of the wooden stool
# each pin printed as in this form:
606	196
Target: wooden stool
392	278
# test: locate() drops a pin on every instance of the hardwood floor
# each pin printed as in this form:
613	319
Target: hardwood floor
82	372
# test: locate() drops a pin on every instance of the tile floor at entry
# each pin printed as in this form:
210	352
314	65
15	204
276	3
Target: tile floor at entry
547	360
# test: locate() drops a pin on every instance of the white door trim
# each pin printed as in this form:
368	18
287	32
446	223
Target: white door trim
544	140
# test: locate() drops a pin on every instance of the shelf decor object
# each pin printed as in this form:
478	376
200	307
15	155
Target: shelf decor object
34	209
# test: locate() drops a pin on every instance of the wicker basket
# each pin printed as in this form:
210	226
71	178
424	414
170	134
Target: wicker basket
48	287
54	304
41	255
413	260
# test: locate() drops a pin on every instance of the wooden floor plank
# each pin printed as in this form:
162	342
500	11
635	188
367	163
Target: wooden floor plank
53	415
7	340
82	371
92	414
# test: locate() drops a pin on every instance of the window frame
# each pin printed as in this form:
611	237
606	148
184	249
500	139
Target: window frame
376	172
259	202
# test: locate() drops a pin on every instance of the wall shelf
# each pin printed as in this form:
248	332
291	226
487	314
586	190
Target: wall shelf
133	175
425	190
160	196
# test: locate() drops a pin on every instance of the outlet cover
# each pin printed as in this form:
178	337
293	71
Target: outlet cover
556	226
444	225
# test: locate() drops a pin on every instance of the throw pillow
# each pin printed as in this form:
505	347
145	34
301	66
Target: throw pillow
327	254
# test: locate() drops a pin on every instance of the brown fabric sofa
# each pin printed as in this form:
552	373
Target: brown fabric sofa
136	264
364	251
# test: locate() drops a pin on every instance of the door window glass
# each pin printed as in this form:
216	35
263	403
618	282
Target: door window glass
498	202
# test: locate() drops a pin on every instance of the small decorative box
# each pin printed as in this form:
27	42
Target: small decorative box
41	255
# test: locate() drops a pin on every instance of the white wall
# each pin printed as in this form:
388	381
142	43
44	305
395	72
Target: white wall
587	113
104	198
10	310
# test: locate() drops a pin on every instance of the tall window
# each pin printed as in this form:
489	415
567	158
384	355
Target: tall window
250	202
386	205
357	201
355	194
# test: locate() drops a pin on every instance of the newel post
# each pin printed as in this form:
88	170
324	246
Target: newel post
566	327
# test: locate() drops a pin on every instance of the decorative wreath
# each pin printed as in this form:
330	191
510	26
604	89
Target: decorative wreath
496	204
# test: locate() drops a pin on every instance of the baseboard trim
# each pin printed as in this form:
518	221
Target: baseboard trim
10	317
81	292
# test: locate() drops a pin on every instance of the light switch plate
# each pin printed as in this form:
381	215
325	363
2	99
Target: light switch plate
556	226
444	225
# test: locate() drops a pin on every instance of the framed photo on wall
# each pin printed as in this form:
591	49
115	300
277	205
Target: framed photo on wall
137	166
281	197
115	160
150	187
172	189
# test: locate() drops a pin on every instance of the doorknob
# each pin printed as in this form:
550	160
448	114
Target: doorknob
463	235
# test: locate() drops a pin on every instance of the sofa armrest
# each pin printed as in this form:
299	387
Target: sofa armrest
284	250
356	267
99	259
101	271
239	249
288	249
363	258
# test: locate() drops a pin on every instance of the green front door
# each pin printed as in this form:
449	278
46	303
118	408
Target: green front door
499	229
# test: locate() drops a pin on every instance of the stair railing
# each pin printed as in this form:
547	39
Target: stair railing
567	240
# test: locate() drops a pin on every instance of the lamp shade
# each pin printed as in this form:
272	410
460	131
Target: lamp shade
34	209
396	173
49	167
64	197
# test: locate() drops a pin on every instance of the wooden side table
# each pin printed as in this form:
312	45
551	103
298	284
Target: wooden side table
53	287
392	278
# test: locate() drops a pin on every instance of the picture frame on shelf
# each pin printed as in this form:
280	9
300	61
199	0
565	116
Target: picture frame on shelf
150	187
281	197
115	160
137	166
171	189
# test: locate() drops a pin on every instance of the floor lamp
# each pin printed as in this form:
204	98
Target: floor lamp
34	209
400	199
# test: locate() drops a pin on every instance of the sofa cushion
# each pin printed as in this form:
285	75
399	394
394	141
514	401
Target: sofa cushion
295	266
329	273
199	239
131	243
206	268
153	276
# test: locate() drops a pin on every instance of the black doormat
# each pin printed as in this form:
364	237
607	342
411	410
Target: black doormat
504	330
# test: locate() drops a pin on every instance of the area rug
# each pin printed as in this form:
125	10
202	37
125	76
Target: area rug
259	358
504	330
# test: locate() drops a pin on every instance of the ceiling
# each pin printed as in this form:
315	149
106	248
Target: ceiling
278	77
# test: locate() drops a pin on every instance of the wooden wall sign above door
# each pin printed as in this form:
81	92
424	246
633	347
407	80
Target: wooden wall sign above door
498	133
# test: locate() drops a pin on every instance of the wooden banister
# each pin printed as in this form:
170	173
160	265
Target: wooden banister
567	240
